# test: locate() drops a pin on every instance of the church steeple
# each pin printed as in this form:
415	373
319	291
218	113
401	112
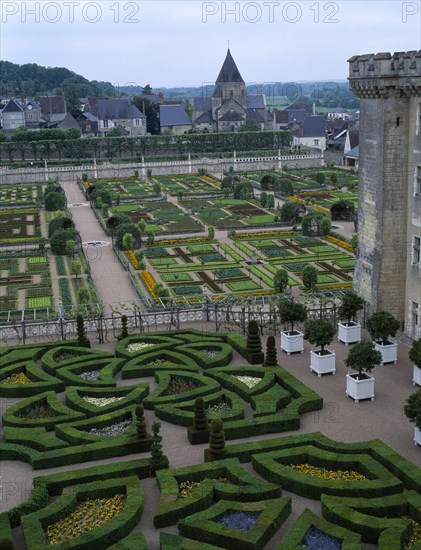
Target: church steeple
229	71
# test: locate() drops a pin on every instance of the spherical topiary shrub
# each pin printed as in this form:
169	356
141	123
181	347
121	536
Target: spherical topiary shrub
54	201
62	222
59	239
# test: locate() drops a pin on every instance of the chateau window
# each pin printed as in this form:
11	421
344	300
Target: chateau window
315	142
105	123
137	122
418	182
416	250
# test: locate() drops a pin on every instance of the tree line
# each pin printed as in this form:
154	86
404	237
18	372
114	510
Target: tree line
138	146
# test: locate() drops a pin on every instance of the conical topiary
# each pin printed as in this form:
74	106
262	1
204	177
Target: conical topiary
124	330
254	344
140	422
158	460
217	439
82	340
200	418
271	356
199	432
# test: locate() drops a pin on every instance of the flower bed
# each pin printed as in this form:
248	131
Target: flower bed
133	260
101	401
180	385
317	540
90	375
186	290
87	516
111	431
339	475
240	286
20	378
137	346
249	381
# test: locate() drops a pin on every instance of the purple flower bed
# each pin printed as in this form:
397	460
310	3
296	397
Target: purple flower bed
243	521
317	540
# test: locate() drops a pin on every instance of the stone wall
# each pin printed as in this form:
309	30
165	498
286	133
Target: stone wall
213	166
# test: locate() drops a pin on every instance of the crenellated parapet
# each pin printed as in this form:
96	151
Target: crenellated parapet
383	75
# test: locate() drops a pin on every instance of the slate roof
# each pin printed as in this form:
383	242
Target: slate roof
90	116
353	153
296	114
256	101
205	117
106	109
173	115
314	126
254	115
229	71
68	122
53	104
202	103
232	116
12	107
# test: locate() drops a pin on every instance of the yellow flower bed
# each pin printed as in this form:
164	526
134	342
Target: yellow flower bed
20	378
211	180
333	475
87	516
335	286
133	260
339	242
85	184
261	234
149	283
320	209
180	242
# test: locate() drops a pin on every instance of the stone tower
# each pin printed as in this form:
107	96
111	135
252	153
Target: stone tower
387	271
228	86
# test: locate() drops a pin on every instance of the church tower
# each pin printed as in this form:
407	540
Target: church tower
229	86
388	264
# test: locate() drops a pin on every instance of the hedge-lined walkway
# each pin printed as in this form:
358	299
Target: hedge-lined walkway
110	278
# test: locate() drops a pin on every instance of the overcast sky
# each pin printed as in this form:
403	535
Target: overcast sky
178	43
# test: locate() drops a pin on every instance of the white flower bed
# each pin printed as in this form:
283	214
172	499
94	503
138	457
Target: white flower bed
111	431
90	375
211	353
101	401
137	346
249	381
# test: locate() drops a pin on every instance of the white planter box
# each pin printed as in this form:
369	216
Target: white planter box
292	342
359	389
417	436
322	364
349	334
389	352
416	377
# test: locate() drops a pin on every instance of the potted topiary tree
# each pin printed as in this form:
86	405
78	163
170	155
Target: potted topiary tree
361	358
381	326
415	357
292	341
349	331
412	409
320	332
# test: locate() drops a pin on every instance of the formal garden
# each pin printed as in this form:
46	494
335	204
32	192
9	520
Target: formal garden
69	404
243	265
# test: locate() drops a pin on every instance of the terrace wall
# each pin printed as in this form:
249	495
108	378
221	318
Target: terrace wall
109	170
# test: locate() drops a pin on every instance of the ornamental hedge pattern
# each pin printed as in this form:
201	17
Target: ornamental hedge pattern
72	408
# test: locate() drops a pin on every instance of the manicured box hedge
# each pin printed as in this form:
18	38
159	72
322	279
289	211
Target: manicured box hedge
142	365
274	466
294	539
99	538
41	381
129	394
156	339
201	527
